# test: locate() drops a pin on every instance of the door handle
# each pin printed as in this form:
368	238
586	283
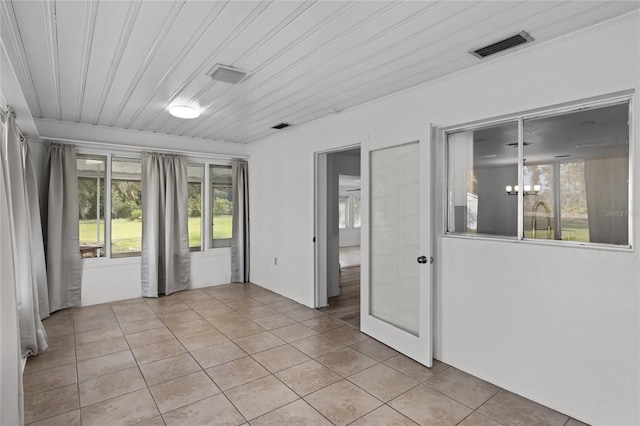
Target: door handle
422	259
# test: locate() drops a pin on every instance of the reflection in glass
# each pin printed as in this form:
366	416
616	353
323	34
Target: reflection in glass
92	172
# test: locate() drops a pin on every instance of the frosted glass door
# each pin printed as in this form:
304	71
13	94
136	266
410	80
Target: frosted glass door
395	275
394	236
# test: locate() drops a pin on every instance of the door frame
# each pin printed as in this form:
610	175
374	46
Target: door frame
320	220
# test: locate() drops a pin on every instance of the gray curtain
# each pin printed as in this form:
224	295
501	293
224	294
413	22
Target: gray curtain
166	260
240	227
607	200
59	203
26	240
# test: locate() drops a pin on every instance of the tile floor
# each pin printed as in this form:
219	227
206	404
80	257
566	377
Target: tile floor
239	354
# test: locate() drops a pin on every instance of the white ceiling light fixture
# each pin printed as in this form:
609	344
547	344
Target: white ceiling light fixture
184	111
227	74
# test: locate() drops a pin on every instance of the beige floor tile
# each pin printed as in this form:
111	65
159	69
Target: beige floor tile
97	334
188	328
195	295
293	332
50	403
323	323
258	342
296	413
149	337
303	314
105	364
239	328
227	318
49	359
317	345
244	304
574	422
256	312
72	418
215	410
274	321
383	382
285	306
155	421
100	348
384	416
180	317
140	325
183	391
347	335
55	330
374	349
279	358
61	342
86	324
260	396
346	361
206	301
169	368
308	377
423	405
130	408
413	369
218	354
462	387
508	408
157	351
271	298
110	385
49	379
354	402
134	312
236	373
170	308
202	340
476	419
212	310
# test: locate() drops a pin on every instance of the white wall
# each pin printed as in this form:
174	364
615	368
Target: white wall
564	333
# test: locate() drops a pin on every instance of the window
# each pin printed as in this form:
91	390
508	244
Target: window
195	176
92	173
574	176
126	207
355	199
343	212
221	205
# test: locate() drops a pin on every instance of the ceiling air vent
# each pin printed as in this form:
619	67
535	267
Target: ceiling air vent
504	44
227	74
281	126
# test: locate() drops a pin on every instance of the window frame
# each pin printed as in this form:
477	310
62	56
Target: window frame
202	183
110	151
550	111
220	242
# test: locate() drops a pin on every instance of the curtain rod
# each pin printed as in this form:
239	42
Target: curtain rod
136	148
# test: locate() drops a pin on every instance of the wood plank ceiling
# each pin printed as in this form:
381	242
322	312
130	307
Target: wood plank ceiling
123	63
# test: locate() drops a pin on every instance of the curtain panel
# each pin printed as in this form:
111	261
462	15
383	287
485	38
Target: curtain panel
166	259
240	226
26	241
59	204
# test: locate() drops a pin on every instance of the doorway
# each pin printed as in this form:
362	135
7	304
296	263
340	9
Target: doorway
338	223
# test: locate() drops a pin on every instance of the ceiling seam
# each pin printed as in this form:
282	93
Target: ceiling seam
21	56
168	23
204	26
52	41
274	31
90	16
206	64
123	41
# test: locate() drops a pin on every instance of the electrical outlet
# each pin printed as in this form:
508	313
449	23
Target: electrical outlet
275	261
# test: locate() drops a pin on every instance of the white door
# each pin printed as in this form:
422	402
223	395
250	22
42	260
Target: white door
396	243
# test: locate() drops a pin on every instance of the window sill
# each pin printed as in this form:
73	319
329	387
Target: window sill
548	243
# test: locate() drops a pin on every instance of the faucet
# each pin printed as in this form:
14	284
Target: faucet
534	218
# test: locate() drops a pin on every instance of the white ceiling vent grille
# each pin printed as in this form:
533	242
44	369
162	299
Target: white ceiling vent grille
501	45
227	74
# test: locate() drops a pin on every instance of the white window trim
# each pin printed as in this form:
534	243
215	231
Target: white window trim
623	96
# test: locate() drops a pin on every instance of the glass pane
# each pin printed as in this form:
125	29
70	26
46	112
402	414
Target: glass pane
394	231
92	172
356	212
482	164
126	208
195	175
222	205
576	176
343	209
